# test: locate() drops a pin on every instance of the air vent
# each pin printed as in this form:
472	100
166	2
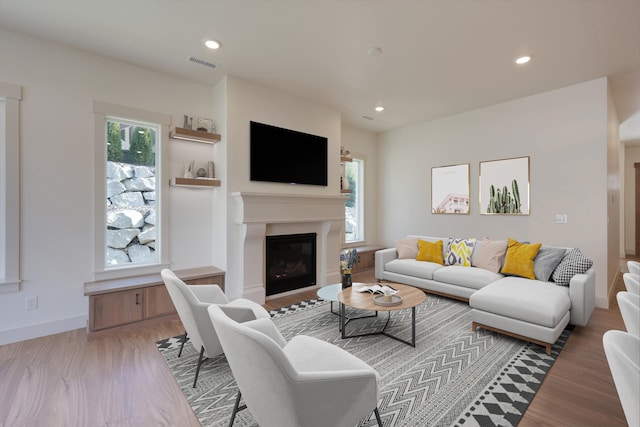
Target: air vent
367	117
202	62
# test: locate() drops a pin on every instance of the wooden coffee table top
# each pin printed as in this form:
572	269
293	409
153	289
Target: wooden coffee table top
411	297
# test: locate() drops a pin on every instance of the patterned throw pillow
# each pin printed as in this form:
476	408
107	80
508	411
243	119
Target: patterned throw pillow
459	252
519	259
407	248
574	262
430	251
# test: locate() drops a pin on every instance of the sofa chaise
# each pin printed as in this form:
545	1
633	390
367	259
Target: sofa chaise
528	291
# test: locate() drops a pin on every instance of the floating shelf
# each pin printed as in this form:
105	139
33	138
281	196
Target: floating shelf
194	182
346	191
346	159
195	135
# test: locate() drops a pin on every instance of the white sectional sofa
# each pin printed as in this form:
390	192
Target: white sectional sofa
531	309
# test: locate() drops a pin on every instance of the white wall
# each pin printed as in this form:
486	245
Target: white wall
59	84
631	156
565	134
613	194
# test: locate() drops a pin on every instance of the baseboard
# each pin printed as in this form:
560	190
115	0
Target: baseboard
42	329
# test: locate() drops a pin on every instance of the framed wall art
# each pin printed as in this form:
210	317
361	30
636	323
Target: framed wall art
450	189
504	186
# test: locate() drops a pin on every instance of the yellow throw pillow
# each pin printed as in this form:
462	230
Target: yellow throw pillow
519	259
430	251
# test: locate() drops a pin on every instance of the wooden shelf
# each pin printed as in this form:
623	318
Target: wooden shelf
195	135
346	191
346	159
194	182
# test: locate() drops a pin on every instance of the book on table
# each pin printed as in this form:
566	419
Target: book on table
375	289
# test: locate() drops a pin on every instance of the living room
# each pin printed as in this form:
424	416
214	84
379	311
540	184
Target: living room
570	134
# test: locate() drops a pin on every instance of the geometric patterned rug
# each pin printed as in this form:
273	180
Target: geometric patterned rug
453	377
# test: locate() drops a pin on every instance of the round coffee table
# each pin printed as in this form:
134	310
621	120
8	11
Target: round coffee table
330	293
411	297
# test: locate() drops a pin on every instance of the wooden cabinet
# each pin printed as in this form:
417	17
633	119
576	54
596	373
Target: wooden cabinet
135	300
365	258
116	308
157	302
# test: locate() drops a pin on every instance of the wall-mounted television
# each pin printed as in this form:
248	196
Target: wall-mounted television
288	156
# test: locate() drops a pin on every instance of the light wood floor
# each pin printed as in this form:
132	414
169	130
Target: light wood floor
122	380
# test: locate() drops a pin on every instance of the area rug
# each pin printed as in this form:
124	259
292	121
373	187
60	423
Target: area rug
453	377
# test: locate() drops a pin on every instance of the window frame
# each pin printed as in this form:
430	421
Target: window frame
360	189
10	189
101	111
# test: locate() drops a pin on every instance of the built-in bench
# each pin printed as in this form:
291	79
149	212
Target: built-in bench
117	304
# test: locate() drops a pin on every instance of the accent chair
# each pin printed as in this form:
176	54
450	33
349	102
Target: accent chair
632	283
630	309
623	355
634	267
191	302
305	382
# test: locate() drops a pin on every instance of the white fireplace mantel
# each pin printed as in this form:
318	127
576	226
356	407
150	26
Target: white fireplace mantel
256	214
287	208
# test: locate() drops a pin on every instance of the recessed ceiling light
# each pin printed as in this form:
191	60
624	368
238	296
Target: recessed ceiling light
212	44
375	51
521	60
379	108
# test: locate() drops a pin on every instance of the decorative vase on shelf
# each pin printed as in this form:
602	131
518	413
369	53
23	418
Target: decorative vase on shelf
346	279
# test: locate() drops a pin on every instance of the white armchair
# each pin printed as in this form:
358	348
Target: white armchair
632	282
623	355
630	309
634	267
306	382
191	303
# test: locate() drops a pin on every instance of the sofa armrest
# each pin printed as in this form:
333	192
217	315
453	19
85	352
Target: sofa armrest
382	257
582	291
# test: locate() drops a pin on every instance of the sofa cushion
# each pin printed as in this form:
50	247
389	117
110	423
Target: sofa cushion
411	267
407	248
533	301
430	251
546	261
519	259
469	277
574	262
489	254
459	252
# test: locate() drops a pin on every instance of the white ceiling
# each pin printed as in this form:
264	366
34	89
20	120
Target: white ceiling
439	57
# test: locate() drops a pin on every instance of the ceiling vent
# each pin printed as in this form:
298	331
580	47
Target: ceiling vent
367	118
202	62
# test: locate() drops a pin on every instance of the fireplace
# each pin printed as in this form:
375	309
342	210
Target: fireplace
290	262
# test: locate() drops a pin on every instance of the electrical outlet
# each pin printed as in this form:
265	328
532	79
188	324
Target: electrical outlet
561	218
31	303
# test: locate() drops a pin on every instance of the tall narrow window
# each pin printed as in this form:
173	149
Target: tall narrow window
10	96
130	202
131	216
354	218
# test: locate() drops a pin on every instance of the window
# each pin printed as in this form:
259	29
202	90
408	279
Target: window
354	212
130	192
10	96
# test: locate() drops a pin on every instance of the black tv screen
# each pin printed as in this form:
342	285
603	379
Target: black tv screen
289	156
